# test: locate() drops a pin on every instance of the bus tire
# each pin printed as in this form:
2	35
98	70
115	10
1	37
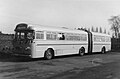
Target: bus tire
81	51
103	50
49	54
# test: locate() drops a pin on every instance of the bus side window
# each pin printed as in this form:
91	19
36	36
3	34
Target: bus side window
40	35
61	36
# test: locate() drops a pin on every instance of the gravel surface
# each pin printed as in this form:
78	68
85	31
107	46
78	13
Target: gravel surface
96	66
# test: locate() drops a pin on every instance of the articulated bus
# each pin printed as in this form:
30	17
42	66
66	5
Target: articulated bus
43	41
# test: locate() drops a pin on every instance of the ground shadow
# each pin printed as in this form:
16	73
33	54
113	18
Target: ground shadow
13	58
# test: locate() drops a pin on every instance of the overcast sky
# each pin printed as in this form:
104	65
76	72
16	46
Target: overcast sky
59	13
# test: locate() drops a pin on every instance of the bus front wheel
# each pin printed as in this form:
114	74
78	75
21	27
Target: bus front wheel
48	54
82	51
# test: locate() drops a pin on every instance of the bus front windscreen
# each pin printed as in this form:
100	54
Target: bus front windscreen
24	36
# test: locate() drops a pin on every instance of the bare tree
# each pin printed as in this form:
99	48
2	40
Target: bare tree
100	30
89	29
0	32
96	29
105	31
115	24
108	33
92	29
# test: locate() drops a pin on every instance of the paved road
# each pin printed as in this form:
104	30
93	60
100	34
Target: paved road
97	66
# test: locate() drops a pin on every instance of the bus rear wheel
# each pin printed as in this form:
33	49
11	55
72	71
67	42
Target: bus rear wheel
82	51
48	54
103	50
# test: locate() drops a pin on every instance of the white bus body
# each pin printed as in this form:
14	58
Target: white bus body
40	41
60	47
50	38
101	40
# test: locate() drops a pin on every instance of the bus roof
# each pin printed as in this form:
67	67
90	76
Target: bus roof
35	27
55	29
101	34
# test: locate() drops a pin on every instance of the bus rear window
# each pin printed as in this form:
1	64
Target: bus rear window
22	35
